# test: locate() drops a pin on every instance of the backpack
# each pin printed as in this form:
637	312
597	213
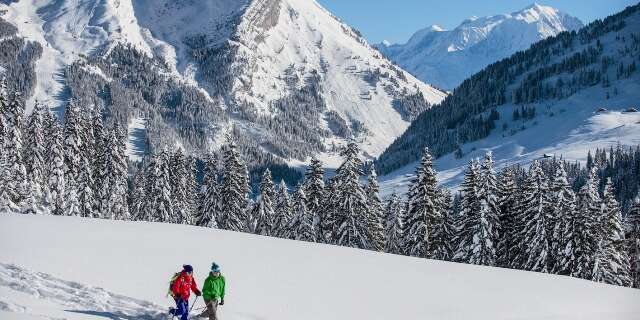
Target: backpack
171	282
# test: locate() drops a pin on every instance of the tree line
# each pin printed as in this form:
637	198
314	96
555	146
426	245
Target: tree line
522	219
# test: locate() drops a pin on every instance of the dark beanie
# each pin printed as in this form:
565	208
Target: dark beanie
187	268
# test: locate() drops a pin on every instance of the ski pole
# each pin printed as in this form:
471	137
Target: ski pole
194	303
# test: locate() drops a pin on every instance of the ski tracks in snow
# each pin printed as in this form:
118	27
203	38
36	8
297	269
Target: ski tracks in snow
38	294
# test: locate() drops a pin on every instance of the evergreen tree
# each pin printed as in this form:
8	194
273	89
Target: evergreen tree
264	213
393	225
73	158
117	176
55	196
158	205
35	157
100	161
586	228
423	215
633	241
181	188
234	191
508	203
314	190
351	212
283	211
210	194
302	227
489	213
562	213
14	184
139	195
470	228
447	229
326	227
536	209
612	260
376	211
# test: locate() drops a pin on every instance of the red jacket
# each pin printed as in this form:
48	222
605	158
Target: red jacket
183	285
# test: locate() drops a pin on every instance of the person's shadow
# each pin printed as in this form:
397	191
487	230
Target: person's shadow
118	315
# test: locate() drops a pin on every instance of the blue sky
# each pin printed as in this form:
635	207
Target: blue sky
397	20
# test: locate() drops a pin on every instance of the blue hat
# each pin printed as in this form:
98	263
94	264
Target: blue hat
187	268
215	267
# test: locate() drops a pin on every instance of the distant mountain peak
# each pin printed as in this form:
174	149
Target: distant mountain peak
445	58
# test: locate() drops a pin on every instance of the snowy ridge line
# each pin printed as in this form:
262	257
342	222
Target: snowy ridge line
20	286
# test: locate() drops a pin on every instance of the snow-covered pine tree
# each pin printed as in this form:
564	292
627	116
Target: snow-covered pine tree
326	228
180	188
35	157
508	203
563	204
314	190
117	176
99	163
633	241
394	216
423	211
350	216
612	261
157	206
15	186
139	195
302	228
55	197
86	197
234	191
263	215
469	229
447	229
284	211
210	196
376	211
536	209
586	228
73	157
485	252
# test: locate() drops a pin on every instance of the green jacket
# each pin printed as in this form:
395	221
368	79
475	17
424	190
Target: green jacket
213	288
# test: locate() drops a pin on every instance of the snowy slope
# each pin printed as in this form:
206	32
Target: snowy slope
567	128
244	54
446	57
267	278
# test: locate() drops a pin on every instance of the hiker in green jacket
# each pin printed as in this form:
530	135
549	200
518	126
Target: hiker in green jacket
213	292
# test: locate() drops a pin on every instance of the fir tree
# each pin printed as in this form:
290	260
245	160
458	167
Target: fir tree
139	196
447	229
508	203
376	211
117	176
234	191
73	157
35	157
633	241
489	214
55	196
314	190
562	213
470	227
423	215
394	216
14	184
209	203
350	215
283	211
264	213
536	207
586	228
157	205
612	260
302	226
181	185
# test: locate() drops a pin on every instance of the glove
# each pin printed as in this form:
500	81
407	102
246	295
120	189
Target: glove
198	293
222	302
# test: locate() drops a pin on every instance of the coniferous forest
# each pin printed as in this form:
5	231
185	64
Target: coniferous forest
553	217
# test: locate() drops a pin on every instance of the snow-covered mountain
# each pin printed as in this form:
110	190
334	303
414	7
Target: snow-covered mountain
54	267
285	75
580	90
446	57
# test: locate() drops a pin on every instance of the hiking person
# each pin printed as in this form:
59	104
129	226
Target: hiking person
213	292
181	288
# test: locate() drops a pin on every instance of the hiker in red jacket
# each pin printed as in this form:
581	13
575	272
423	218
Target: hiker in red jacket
181	288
